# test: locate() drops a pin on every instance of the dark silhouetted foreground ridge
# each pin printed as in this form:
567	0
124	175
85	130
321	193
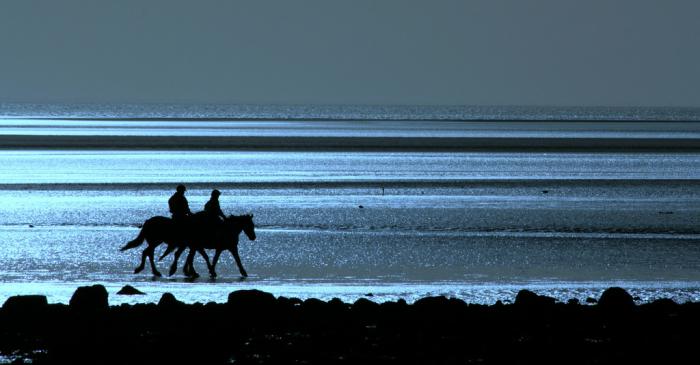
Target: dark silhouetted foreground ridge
254	327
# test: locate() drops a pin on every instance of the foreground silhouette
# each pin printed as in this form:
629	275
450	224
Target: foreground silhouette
254	327
196	232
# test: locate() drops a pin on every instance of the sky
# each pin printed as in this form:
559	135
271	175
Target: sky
429	52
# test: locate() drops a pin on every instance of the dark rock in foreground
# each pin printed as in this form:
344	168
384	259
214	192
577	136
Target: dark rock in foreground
529	299
129	290
616	299
254	327
90	298
25	304
169	300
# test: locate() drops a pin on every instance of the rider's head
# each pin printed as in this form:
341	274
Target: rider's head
181	188
215	193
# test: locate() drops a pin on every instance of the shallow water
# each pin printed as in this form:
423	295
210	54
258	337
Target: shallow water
478	226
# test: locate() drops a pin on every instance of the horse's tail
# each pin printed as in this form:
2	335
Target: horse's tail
136	242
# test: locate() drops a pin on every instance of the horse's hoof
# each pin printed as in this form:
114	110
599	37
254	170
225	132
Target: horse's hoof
194	275
244	274
212	275
172	272
138	270
157	274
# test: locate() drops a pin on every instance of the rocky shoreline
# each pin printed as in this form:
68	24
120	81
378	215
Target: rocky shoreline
254	327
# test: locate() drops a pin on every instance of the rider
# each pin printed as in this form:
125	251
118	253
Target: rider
213	208
179	207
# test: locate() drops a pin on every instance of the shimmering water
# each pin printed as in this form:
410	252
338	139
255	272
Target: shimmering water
479	226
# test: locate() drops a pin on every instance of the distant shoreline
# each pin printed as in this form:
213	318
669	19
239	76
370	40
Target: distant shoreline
369	144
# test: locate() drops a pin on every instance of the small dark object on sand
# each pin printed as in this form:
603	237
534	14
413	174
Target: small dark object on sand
360	206
665	212
31	226
369	295
545	191
130	290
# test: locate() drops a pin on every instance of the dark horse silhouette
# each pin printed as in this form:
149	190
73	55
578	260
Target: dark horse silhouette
232	224
200	231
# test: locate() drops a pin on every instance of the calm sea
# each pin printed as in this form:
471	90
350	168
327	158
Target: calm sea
478	226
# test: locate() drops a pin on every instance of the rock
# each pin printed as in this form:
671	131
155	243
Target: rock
254	299
360	206
365	306
590	300
431	303
315	309
663	305
25	304
289	302
530	299
369	295
362	302
337	303
130	290
169	300
573	301
90	298
616	299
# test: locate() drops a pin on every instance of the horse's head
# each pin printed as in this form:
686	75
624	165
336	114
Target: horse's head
246	223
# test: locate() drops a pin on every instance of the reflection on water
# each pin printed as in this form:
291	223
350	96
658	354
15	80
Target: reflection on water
108	167
472	225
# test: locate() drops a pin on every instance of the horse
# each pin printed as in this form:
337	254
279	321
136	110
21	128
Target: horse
229	231
158	229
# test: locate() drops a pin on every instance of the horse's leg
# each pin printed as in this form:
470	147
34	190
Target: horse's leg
167	252
173	266
234	252
151	253
215	259
189	265
143	261
210	267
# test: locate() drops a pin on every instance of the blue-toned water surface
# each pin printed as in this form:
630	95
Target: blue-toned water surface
478	226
